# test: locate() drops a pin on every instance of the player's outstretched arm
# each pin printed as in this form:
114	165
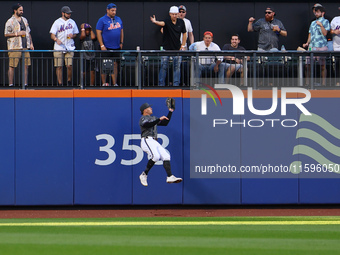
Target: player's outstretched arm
167	119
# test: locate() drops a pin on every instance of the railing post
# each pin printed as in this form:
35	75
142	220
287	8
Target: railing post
254	70
300	73
312	70
192	71
23	69
138	77
245	71
196	71
82	71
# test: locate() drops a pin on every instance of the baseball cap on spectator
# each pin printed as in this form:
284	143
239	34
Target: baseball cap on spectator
173	9
87	26
208	33
182	7
66	9
143	107
110	6
316	5
269	8
320	8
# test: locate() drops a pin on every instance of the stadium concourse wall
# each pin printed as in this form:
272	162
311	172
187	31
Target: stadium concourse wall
81	147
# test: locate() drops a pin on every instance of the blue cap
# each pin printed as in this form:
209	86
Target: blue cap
110	6
143	107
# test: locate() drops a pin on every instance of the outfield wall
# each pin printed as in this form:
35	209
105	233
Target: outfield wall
77	147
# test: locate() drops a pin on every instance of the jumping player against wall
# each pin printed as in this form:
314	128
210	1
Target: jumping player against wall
148	125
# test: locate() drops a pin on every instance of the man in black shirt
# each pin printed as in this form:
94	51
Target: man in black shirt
173	27
234	63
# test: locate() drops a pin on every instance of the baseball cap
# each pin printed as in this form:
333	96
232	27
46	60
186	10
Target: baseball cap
144	106
87	26
208	33
173	9
66	9
110	6
270	9
182	7
316	5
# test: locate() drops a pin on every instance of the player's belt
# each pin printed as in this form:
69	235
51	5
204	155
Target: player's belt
151	137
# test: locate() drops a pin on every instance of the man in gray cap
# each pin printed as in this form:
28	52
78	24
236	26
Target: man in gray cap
63	31
269	28
188	26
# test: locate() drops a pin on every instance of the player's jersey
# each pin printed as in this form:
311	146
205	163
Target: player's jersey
148	131
148	125
61	28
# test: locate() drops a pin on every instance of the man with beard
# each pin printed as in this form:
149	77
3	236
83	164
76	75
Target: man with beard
110	36
317	41
18	36
63	31
234	63
269	28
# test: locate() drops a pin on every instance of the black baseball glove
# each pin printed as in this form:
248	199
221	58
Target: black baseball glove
170	103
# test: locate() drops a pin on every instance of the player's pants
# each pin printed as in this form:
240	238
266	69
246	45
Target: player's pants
154	150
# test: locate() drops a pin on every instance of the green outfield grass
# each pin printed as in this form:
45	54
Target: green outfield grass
161	236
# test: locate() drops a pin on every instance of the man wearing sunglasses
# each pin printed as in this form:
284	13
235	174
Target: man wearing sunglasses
188	26
269	30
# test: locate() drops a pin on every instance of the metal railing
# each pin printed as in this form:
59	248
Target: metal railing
140	69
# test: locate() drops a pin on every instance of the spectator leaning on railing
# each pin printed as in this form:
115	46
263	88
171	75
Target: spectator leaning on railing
234	63
87	40
174	27
317	41
188	26
269	28
209	63
110	35
18	36
63	31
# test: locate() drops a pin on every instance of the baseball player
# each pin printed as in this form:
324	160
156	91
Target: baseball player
63	31
148	125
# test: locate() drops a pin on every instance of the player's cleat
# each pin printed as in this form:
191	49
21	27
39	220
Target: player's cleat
173	179
143	179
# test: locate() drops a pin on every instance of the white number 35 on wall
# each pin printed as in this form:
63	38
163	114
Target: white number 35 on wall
111	154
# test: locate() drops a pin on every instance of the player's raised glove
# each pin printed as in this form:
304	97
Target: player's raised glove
170	103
